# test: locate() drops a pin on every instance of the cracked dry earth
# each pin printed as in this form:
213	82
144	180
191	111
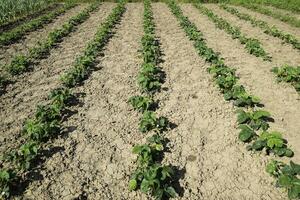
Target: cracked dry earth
92	158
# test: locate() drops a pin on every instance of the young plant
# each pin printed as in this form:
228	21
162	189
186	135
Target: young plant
38	130
23	157
256	120
140	103
19	65
286	176
150	122
6	179
156	180
272	142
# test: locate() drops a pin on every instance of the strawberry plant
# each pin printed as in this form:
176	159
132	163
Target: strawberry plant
18	65
6	179
150	122
156	180
257	119
140	103
150	176
288	74
286	176
272	142
23	157
247	133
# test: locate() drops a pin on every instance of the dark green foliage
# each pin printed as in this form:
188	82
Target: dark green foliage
257	119
6	179
150	176
150	122
23	157
140	103
286	177
288	74
273	143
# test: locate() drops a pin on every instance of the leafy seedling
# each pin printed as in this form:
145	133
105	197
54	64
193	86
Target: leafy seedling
273	142
286	176
140	103
256	119
150	122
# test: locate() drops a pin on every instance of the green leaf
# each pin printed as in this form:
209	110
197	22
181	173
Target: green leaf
171	192
246	133
132	184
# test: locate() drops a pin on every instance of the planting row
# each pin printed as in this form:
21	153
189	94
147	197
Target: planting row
17	33
253	122
22	63
151	176
267	29
285	18
47	120
252	45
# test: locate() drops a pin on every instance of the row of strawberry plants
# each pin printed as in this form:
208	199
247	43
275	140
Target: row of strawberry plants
252	45
285	18
270	30
151	176
47	120
21	63
250	119
288	74
17	33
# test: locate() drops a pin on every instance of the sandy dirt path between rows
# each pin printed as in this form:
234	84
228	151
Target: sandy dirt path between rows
21	98
205	142
282	101
97	159
281	53
30	40
271	21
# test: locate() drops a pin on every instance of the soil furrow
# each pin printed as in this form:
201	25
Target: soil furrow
97	159
205	140
280	99
281	53
8	52
21	98
271	21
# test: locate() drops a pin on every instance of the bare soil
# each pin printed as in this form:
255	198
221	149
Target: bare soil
31	89
92	158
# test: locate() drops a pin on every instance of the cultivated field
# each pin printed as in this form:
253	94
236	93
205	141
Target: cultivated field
150	100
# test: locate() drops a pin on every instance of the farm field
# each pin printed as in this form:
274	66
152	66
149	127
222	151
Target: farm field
150	100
